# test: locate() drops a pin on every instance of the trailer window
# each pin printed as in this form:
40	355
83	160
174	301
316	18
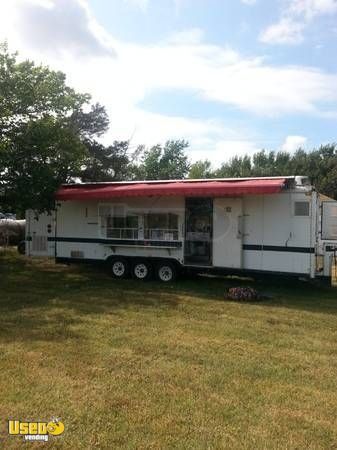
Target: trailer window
329	220
301	208
118	227
161	226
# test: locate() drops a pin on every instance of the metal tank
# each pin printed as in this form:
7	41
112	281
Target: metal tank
12	231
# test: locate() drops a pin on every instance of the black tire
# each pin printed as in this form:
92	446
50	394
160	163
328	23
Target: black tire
22	247
166	272
142	270
119	268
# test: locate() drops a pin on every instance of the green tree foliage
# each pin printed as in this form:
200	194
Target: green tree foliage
238	166
166	162
42	156
201	169
109	163
43	131
320	165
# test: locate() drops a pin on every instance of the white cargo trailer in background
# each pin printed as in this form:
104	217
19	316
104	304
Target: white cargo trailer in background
242	225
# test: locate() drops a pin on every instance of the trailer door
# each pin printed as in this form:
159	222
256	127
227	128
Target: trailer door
40	233
198	231
227	232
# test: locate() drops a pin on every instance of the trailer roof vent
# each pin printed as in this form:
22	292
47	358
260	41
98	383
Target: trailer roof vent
302	181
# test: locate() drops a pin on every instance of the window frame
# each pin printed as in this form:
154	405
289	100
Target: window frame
163	233
104	220
170	232
123	230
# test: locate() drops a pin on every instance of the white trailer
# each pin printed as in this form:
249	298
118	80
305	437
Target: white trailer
243	225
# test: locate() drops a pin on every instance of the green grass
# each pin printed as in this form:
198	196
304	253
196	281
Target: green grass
130	365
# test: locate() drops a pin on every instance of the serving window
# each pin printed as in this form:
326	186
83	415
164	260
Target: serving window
118	223
161	226
119	227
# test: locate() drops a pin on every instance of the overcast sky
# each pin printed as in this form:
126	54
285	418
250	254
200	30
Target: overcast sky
230	76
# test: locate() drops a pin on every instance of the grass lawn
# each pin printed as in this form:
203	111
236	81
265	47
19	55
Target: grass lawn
126	364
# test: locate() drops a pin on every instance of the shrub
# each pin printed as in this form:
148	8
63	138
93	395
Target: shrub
245	294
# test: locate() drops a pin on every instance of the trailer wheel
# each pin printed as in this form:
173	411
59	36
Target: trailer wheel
142	270
166	272
119	268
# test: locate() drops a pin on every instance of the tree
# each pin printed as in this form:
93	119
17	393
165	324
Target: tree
106	163
43	155
238	166
43	132
201	169
163	162
320	165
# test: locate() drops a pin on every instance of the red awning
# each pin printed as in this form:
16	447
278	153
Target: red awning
209	188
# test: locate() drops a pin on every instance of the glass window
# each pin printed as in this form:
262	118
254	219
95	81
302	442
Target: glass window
131	221
161	226
173	221
104	210
155	221
122	227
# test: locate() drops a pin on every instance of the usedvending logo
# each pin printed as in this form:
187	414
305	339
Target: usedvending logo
35	431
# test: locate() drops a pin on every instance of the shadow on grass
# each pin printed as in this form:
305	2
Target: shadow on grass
41	300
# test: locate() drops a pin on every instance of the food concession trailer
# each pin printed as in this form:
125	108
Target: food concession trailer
145	228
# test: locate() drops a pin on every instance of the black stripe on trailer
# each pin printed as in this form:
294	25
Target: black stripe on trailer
178	244
278	248
131	242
